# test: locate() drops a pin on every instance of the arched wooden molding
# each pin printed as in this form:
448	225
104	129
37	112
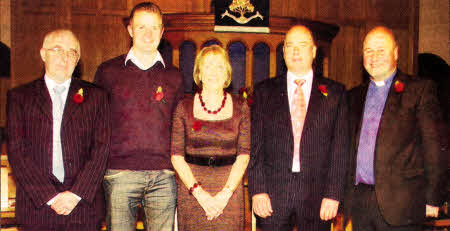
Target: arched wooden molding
199	28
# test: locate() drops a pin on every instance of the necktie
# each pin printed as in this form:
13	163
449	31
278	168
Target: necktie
298	119
58	107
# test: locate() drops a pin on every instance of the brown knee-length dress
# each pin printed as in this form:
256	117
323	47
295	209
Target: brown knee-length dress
227	137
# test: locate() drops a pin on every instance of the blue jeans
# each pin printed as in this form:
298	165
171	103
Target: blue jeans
155	191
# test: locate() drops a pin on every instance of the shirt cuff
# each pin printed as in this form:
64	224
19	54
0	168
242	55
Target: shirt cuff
76	196
50	202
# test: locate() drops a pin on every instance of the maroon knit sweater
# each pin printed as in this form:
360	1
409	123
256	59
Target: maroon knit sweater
141	125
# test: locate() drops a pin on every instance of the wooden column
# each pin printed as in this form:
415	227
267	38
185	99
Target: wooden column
249	67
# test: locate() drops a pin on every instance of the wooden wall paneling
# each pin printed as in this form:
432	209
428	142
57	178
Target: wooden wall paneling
114	5
352	11
393	13
328	9
413	39
337	63
334	52
91	54
171	6
276	8
112	36
301	8
28	33
5	22
5	38
201	6
403	50
4	86
38	4
352	52
84	4
273	61
249	67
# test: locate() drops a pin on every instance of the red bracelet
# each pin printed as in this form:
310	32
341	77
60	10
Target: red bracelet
191	189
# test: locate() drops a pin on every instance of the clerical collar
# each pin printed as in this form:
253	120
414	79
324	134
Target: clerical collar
384	82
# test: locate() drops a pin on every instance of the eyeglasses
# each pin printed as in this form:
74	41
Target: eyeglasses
72	54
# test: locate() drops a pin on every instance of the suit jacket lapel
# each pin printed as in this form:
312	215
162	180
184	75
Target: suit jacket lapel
392	105
283	102
283	119
315	104
42	98
358	109
71	106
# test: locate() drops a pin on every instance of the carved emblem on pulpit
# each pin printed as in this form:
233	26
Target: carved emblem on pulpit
242	7
242	16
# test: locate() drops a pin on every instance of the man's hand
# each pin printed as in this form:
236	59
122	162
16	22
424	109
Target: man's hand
328	209
261	205
64	203
431	211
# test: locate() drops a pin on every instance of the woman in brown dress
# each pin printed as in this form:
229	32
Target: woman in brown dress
210	148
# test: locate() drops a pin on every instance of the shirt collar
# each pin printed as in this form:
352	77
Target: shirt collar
386	82
135	60
50	83
291	77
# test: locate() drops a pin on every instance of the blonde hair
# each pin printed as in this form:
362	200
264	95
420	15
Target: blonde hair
200	58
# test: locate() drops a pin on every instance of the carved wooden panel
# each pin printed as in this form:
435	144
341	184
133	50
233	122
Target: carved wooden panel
328	9
84	4
25	58
87	31
4	86
352	10
114	4
346	56
38	4
99	24
301	8
276	8
390	12
403	50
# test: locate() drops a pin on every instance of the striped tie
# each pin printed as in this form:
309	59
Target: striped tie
298	119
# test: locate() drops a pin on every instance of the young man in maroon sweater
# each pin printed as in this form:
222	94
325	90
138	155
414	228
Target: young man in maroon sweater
143	92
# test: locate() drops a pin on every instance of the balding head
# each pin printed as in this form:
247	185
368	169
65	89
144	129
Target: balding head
49	37
299	29
380	53
382	31
299	50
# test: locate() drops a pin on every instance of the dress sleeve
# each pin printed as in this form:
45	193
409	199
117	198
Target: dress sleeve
244	130
178	134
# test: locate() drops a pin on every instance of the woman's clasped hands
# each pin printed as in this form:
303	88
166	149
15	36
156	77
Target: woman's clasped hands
213	206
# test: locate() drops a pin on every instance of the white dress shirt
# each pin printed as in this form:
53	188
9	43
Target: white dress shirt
292	86
57	121
135	60
306	88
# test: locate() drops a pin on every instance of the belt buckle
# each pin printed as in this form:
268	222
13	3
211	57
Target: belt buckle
212	161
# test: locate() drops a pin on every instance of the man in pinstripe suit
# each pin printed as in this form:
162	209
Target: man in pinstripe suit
58	142
297	173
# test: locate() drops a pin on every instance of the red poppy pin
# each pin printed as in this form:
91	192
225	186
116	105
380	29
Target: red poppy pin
399	86
246	95
323	90
78	97
159	94
197	126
